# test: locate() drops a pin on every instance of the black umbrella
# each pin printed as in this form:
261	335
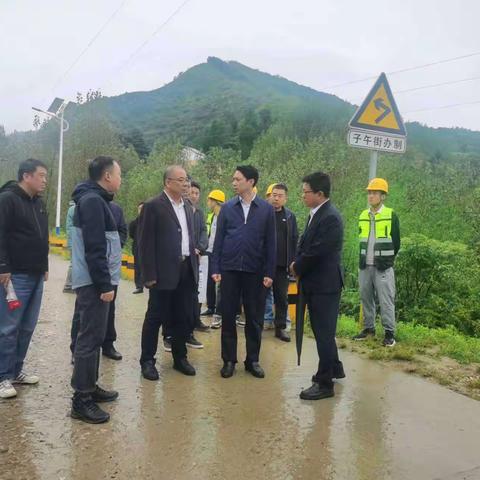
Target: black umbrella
299	320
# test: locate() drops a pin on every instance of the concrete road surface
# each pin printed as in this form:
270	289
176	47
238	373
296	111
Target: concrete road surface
381	425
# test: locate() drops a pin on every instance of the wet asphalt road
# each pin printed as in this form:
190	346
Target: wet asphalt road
382	424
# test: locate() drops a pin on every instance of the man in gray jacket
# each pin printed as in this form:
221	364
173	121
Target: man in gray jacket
96	263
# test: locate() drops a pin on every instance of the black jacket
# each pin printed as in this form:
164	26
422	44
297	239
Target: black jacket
318	259
132	233
200	228
292	235
117	212
159	243
23	231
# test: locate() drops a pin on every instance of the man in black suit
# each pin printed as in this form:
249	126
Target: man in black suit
169	269
318	266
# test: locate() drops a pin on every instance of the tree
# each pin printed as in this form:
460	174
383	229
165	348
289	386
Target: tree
215	135
248	133
135	138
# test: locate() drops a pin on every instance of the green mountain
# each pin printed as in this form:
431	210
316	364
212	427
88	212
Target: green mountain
216	90
205	106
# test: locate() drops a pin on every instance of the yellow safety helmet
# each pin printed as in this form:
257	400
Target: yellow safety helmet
217	195
378	184
270	189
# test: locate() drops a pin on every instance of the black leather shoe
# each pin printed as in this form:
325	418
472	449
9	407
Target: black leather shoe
282	335
86	410
201	327
255	369
317	392
227	370
149	371
110	352
208	312
100	395
137	291
183	366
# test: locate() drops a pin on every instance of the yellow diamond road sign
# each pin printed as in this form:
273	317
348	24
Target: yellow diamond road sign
379	112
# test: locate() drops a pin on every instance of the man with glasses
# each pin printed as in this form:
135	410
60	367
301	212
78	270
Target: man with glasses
287	236
169	268
318	266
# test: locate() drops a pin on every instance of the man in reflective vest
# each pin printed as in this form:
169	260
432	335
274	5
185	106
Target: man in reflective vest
215	200
379	230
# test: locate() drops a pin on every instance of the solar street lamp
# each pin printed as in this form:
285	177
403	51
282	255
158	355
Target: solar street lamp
56	110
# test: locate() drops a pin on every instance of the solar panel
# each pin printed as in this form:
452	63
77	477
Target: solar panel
55	106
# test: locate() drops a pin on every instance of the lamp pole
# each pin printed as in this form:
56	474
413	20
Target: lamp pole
64	126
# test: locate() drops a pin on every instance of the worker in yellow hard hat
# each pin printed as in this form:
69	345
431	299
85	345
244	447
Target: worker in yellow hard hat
268	193
215	200
379	230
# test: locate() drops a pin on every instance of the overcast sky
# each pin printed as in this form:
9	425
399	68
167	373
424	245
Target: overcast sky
318	43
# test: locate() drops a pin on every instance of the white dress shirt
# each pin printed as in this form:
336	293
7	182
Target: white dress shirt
179	209
313	211
246	206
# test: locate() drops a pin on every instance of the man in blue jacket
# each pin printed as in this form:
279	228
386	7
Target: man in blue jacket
96	263
244	260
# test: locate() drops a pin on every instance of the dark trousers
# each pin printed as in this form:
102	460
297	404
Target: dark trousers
75	326
111	334
136	272
249	287
194	319
280	297
211	291
323	311
92	326
172	309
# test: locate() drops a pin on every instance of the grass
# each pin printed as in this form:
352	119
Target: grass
418	340
474	384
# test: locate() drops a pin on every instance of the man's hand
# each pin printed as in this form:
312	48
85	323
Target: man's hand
46	276
197	252
267	282
150	284
107	297
216	277
5	278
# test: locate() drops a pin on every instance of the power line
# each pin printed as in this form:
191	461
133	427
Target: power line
89	44
452	105
433	85
154	33
403	70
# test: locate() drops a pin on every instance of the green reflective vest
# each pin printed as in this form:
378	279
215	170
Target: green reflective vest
209	223
384	253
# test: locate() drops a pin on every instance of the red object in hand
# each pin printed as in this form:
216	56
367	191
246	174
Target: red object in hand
12	301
